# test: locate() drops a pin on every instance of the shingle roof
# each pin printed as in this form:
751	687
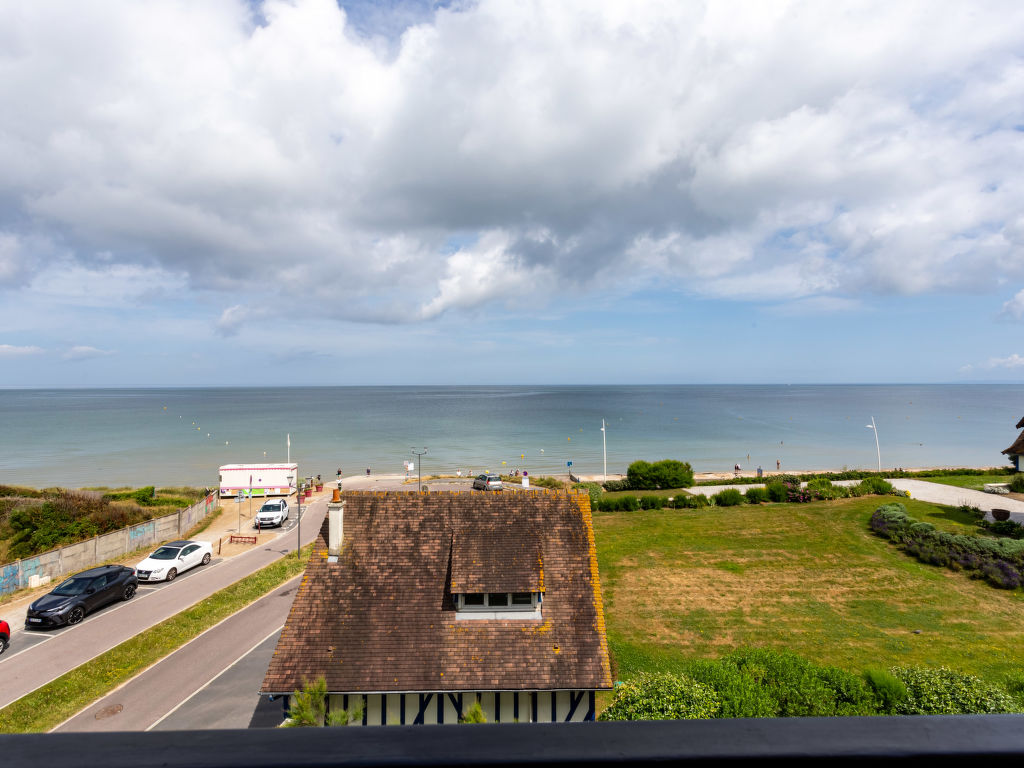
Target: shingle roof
1020	424
383	618
1017	449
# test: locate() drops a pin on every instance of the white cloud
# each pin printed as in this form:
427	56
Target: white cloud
1013	361
85	353
751	151
9	350
1014	308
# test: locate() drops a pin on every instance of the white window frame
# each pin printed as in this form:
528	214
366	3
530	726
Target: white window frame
508	611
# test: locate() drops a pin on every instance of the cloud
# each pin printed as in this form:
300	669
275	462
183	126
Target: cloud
231	320
84	353
1013	361
759	152
1014	308
9	350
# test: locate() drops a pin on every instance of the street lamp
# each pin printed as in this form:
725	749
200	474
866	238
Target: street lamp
419	465
604	442
298	514
874	429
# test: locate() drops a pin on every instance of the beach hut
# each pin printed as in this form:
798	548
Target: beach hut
1016	451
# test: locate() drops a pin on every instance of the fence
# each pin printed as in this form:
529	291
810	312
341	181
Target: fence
76	557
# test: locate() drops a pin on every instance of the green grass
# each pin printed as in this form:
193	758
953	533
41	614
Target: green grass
55	702
681	584
974	482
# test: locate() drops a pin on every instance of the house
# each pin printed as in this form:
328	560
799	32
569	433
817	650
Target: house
1016	451
416	605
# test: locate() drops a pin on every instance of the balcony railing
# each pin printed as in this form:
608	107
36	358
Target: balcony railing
911	740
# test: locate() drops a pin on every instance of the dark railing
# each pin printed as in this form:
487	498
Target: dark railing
928	741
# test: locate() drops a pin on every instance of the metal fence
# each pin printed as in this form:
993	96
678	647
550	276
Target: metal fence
76	557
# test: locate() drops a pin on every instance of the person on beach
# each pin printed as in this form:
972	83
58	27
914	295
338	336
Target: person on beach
760	472
367	471
778	464
736	470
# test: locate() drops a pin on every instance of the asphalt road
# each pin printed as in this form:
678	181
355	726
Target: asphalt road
211	682
36	658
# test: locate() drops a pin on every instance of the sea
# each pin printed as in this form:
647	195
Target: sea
167	437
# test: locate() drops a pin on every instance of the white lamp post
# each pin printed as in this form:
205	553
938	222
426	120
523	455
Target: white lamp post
604	442
874	429
419	455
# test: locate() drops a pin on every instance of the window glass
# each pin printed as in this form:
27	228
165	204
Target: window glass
522	598
473	599
497	599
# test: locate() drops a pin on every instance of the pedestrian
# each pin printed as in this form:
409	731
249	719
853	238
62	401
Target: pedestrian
339	473
367	471
778	465
736	470
318	479
760	472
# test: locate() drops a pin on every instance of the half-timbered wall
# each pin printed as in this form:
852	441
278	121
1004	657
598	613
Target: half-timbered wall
442	708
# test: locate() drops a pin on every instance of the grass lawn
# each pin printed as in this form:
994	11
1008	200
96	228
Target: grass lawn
812	578
974	482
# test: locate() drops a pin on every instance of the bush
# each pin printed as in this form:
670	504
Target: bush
756	495
644	476
1007	528
594	489
730	497
1017	483
662	697
888	690
945	692
874	485
652	502
615	485
972	511
766	683
777	491
695	501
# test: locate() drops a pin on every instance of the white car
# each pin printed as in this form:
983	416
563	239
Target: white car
174	558
273	512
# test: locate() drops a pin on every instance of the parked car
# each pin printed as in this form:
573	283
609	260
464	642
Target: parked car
487	483
273	512
83	593
171	559
5	635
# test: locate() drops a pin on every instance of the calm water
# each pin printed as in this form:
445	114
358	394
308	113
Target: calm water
181	436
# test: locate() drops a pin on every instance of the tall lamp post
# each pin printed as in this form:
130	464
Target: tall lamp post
298	514
604	443
878	452
419	466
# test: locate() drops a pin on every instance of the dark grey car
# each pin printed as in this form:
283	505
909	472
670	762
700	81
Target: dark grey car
85	592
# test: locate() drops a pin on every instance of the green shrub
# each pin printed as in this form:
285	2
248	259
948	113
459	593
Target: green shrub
1017	483
696	501
874	485
730	497
594	489
888	690
627	503
652	502
945	692
615	485
662	697
766	683
756	495
777	491
475	714
668	473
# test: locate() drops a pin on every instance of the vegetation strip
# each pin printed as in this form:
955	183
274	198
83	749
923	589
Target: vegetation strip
59	699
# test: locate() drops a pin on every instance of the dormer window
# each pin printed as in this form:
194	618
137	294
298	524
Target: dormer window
498	605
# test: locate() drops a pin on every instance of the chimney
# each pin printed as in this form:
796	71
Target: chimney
335	523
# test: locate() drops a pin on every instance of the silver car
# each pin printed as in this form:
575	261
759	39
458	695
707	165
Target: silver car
487	483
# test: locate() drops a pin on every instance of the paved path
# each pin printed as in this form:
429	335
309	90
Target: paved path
936	493
23	669
216	677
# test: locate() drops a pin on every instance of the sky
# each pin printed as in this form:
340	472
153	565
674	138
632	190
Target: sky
232	192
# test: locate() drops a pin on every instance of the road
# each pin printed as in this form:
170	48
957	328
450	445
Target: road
36	658
211	682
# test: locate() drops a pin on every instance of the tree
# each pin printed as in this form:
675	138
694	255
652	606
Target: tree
668	473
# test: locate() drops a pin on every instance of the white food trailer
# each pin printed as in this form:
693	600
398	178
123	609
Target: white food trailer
264	479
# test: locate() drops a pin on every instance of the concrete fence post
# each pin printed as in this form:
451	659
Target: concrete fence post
180	534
